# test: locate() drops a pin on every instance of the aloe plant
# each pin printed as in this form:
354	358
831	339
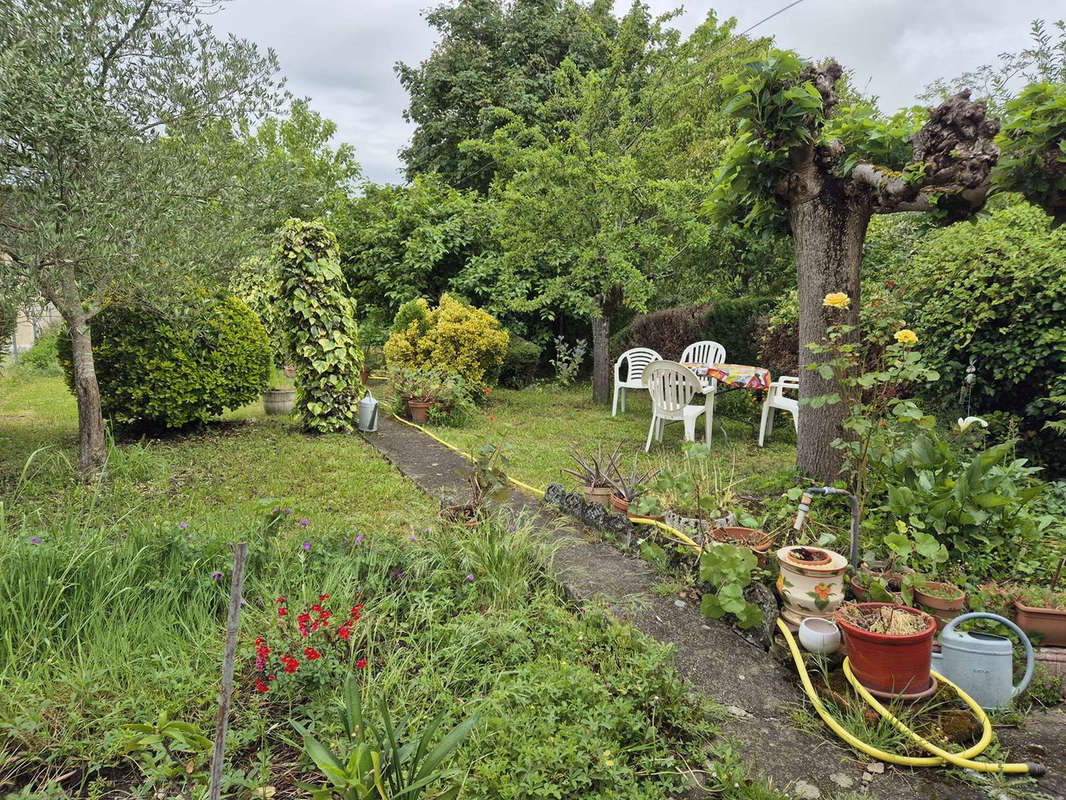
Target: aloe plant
386	764
633	484
595	469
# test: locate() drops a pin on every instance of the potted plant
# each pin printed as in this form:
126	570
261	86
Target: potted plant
897	578
420	389
889	646
594	474
944	601
628	487
810	582
279	400
487	478
1043	612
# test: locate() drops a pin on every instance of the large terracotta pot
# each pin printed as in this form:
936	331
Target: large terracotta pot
812	588
621	505
419	410
279	401
1048	622
886	664
755	540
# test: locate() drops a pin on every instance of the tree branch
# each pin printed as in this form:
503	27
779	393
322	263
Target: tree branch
113	51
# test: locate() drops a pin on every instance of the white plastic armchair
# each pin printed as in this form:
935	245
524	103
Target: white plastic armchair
671	386
635	360
706	352
775	398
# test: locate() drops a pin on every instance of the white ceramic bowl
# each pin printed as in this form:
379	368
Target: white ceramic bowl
819	635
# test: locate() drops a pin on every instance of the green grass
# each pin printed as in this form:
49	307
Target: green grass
115	614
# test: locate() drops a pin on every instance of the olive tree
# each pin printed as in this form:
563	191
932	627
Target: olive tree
116	133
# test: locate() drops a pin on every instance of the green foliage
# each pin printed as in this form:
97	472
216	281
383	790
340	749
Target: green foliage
992	291
568	360
255	282
447	391
210	354
385	759
319	319
43	356
667	331
731	321
400	243
169	751
979	505
1032	145
492	57
520	362
727	568
454	337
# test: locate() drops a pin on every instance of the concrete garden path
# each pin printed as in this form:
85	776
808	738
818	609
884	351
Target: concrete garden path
759	693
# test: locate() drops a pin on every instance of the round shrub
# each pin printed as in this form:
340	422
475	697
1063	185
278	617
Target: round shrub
667	331
454	336
170	372
732	322
995	291
520	362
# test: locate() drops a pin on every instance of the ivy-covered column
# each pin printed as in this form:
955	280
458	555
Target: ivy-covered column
319	319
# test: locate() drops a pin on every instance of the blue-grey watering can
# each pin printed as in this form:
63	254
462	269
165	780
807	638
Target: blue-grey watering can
368	414
982	663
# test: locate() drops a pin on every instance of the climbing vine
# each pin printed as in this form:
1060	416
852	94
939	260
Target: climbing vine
319	319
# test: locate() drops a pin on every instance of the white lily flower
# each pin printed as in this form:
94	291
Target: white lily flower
964	424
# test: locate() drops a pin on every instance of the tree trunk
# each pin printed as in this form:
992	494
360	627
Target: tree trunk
601	369
92	446
828	231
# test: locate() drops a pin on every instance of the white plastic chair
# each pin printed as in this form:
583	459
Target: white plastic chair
706	352
636	360
671	386
775	398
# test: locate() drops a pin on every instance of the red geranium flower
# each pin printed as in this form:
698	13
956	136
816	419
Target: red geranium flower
343	632
260	686
282	611
360	664
311	653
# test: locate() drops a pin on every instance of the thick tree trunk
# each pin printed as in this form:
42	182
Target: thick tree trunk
92	445
828	231
601	368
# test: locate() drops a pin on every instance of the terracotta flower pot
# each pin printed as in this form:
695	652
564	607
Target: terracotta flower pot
810	589
598	494
418	410
1054	661
279	402
858	591
942	609
1048	622
755	540
890	664
621	505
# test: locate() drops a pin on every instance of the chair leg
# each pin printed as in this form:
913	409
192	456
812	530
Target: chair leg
762	425
709	414
651	432
690	429
623	399
795	422
614	405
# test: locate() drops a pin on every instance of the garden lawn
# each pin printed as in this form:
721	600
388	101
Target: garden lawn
112	607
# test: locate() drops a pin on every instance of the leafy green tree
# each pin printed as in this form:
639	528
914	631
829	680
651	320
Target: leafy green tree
112	188
493	55
805	162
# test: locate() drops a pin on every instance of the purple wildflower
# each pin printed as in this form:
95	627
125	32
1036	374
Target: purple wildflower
307	545
357	539
304	522
288	512
216	575
470	577
183	525
35	540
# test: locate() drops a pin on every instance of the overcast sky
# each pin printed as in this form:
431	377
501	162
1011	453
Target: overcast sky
340	53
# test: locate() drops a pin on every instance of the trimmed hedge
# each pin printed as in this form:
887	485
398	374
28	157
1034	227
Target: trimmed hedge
520	362
171	372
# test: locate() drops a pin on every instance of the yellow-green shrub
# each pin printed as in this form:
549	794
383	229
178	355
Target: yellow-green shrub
454	336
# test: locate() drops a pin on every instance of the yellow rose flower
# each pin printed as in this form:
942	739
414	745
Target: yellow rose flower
837	300
907	336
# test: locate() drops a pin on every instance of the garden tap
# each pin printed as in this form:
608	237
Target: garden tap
853	501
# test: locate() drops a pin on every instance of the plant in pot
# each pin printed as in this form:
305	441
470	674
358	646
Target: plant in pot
279	400
629	486
810	581
889	647
487	479
903	569
1043	611
594	473
418	389
728	570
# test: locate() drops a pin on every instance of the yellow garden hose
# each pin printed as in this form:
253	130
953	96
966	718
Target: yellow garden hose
939	757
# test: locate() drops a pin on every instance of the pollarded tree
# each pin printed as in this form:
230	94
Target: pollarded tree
116	118
806	162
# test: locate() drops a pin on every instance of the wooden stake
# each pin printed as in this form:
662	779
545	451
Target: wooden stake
233	623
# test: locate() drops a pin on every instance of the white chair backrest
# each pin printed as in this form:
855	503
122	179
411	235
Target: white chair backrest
787	382
636	360
671	385
705	352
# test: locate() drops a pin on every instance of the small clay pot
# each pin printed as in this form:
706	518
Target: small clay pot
1048	622
755	540
942	609
418	410
598	494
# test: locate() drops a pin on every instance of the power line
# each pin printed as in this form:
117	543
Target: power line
767	19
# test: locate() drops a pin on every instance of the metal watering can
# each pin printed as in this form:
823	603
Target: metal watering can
368	414
981	664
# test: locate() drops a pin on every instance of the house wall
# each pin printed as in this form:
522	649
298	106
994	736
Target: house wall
32	322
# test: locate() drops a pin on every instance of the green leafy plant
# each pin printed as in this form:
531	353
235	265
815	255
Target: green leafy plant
694	487
167	750
207	353
319	318
520	362
728	569
595	469
567	360
384	760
